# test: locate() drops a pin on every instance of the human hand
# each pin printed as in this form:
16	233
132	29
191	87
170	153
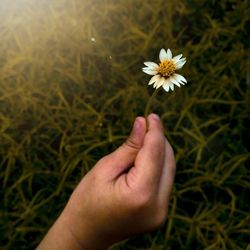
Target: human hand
126	193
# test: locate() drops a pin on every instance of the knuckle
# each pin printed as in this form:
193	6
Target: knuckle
146	205
155	214
144	201
131	144
157	139
158	143
159	217
103	161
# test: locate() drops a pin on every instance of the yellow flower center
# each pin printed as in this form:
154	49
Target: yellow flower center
166	68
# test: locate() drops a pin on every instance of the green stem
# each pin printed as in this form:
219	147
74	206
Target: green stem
148	106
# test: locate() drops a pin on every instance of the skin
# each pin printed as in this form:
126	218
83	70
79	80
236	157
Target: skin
126	193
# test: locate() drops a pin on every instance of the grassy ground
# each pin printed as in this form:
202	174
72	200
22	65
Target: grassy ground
67	99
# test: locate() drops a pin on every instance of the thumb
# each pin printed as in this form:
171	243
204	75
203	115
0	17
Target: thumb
124	156
135	140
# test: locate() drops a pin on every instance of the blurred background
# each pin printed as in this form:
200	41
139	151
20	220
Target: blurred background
71	85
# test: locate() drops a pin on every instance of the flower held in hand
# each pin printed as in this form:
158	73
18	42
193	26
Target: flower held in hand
164	73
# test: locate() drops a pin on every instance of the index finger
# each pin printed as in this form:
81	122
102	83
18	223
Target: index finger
150	159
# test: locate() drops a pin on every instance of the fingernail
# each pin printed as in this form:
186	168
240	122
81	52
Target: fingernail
155	116
137	124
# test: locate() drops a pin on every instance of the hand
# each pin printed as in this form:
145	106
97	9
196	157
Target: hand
126	193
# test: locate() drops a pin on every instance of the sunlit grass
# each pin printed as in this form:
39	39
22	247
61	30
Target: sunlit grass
66	100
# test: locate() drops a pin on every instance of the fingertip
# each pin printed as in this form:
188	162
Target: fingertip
154	122
150	159
153	116
140	120
140	124
138	131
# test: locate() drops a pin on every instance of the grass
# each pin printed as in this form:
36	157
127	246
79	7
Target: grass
67	99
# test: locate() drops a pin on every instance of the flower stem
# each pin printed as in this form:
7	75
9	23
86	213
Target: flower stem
148	106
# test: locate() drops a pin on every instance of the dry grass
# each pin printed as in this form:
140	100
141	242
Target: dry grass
65	101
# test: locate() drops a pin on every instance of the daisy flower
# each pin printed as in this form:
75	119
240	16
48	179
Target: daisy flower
164	73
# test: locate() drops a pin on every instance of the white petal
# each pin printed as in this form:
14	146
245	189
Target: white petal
177	58
169	54
171	86
160	82
152	65
172	79
179	78
156	83
166	85
180	64
181	61
149	71
163	55
154	79
149	68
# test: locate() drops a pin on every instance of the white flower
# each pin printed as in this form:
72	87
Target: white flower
164	73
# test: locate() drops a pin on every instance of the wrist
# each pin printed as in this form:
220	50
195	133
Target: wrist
72	231
60	237
82	229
